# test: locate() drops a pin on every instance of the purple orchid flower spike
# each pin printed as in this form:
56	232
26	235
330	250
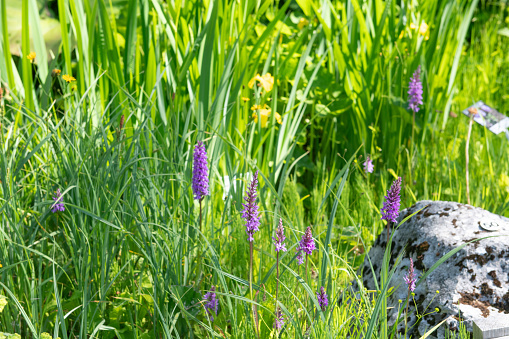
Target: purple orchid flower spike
390	209
250	212
323	301
415	91
279	320
279	240
200	172
59	205
306	245
211	303
368	165
410	279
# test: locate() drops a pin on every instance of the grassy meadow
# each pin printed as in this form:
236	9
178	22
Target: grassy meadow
105	100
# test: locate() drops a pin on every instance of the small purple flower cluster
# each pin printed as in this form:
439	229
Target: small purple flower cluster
200	172
250	212
279	240
306	245
323	301
411	278
390	209
211	303
279	320
368	165
59	205
415	91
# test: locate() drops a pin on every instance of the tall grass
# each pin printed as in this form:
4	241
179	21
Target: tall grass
127	258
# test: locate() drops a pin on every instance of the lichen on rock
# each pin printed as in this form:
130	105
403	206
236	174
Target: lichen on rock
472	283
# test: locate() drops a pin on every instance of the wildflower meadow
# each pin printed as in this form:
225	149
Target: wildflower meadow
221	168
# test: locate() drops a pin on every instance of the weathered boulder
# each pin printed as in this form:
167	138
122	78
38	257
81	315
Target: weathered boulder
473	282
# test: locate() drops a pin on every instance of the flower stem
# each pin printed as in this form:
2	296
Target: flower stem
413	144
406	311
388	232
200	213
296	289
251	285
251	269
277	285
277	276
309	327
200	253
466	156
307	282
307	276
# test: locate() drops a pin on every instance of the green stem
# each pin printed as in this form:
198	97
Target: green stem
309	327
277	276
413	145
251	285
406	311
277	284
251	269
307	276
388	232
200	213
467	158
295	291
307	282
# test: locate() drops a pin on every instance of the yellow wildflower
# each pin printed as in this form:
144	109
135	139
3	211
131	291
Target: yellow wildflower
264	116
245	99
68	78
56	72
31	56
3	303
401	35
302	23
423	28
266	81
256	107
278	118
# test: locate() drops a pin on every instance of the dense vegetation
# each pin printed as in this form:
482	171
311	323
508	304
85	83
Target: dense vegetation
106	100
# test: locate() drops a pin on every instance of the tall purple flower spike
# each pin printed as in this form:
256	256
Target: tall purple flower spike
279	320
368	165
211	303
415	91
250	212
279	240
59	206
200	172
323	301
390	209
306	245
410	279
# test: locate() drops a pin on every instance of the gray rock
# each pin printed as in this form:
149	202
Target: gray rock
473	282
492	327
